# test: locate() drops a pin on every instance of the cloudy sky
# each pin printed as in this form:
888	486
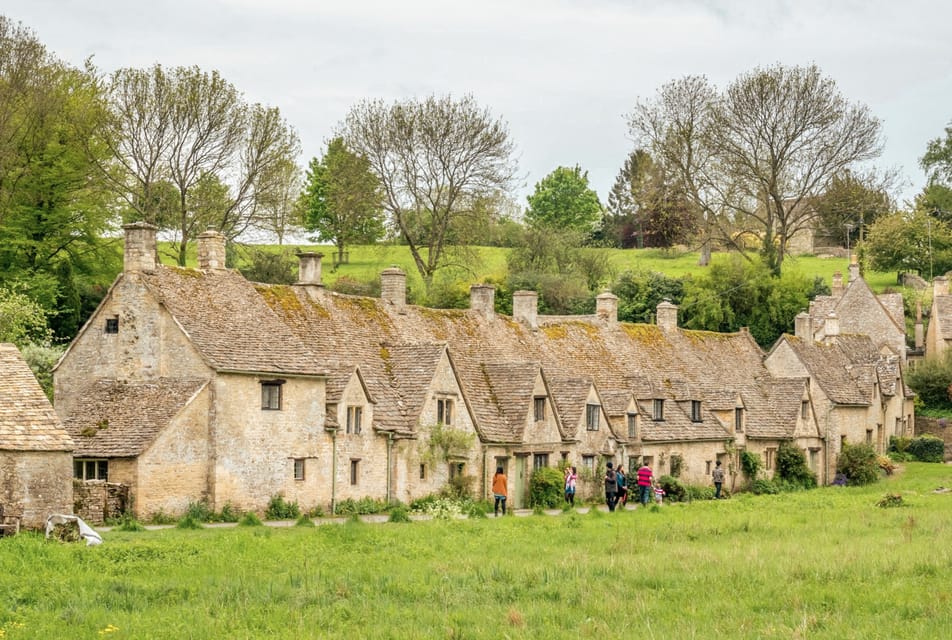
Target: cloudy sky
562	73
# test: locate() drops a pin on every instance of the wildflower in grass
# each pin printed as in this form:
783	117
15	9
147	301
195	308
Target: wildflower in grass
109	628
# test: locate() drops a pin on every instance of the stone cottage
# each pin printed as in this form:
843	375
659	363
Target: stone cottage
36	462
195	384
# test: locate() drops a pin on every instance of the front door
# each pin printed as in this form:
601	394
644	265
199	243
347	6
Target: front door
518	484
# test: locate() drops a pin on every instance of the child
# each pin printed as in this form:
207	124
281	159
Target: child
658	493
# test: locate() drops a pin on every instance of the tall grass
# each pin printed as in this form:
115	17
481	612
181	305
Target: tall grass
827	563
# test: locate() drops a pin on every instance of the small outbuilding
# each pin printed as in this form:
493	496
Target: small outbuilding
36	462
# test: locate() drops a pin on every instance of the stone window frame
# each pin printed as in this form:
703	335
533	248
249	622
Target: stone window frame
804	409
422	471
588	462
354	471
770	458
632	425
592	415
695	411
538	408
112	325
540	460
355	415
444	411
739	419
272	395
657	410
100	469
299	469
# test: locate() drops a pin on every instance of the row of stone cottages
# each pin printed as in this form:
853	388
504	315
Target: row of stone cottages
196	384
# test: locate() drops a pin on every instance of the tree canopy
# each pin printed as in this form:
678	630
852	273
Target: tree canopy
563	200
438	161
752	155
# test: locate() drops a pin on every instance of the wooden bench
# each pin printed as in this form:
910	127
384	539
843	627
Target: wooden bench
9	524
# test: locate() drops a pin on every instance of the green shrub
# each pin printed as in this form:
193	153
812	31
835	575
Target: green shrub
362	507
674	489
927	448
128	523
281	509
399	513
545	488
750	464
677	465
890	500
694	492
304	521
477	509
763	486
229	513
315	512
792	466
200	511
858	462
161	517
250	519
189	522
898	444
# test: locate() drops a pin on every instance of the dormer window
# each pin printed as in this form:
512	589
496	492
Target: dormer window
112	325
657	410
738	420
632	425
539	408
695	410
804	409
271	395
591	417
354	416
444	411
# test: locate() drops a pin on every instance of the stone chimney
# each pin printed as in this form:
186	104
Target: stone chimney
940	286
211	250
309	268
139	252
482	298
854	267
393	286
837	284
667	315
831	328
803	326
525	306
920	341
606	307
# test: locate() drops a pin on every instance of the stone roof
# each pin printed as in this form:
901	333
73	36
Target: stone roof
570	396
833	367
116	419
230	321
779	407
677	424
510	386
27	419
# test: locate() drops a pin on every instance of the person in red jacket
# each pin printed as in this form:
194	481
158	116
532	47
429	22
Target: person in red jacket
645	476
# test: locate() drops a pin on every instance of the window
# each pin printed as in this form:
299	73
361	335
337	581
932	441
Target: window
354	415
299	468
91	469
588	463
444	411
354	465
271	395
804	409
814	458
769	456
739	420
869	436
591	417
539	405
632	464
422	472
632	425
695	410
540	460
112	325
657	412
707	467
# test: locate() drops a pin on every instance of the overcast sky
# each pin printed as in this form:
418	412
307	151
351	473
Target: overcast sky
562	73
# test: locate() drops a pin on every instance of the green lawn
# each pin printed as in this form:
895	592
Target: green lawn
828	563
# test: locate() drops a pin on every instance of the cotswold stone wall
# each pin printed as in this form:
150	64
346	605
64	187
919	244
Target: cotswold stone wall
939	427
95	501
34	484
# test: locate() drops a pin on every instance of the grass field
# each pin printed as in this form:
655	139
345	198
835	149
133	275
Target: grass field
366	263
827	563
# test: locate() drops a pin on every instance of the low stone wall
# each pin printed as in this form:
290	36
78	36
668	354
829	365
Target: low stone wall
939	427
95	501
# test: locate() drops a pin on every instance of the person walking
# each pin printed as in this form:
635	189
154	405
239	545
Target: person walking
658	492
500	491
611	487
645	476
622	486
718	476
571	482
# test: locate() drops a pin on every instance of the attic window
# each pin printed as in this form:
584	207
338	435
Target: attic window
444	411
271	395
112	325
738	420
695	410
632	425
354	415
804	409
539	405
657	410
591	417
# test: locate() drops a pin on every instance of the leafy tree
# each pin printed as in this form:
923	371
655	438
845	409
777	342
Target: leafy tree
640	292
736	293
269	266
936	200
937	160
22	320
909	241
189	134
437	160
752	156
792	466
853	199
341	198
563	200
931	379
858	463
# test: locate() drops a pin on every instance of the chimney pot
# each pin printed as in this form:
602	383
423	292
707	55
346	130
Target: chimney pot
393	286
309	268
803	326
831	328
606	307
482	298
525	307
140	249
667	314
211	251
837	288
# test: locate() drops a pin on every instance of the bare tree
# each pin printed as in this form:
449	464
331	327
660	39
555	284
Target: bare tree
191	153
437	159
279	210
751	156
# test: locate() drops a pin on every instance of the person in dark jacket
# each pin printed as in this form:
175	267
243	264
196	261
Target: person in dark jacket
611	487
